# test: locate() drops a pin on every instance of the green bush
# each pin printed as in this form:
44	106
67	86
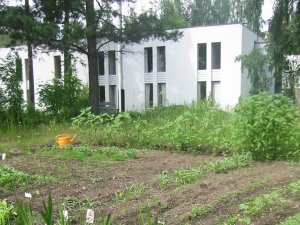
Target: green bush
265	126
62	100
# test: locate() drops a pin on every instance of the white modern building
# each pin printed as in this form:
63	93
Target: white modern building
200	64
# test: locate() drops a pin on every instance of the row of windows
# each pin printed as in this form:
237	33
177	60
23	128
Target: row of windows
112	93
161	59
215	56
161	95
215	90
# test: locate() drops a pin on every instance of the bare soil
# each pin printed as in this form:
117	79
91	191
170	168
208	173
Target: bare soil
100	181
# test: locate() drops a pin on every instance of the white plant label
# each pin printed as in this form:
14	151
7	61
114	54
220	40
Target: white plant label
65	214
90	215
3	156
28	195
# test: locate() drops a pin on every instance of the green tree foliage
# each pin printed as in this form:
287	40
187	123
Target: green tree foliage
209	12
265	127
256	65
11	94
283	41
173	14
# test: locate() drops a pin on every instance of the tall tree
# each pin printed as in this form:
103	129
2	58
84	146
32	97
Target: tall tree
173	14
93	26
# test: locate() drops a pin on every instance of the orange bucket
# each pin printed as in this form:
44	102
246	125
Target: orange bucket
64	139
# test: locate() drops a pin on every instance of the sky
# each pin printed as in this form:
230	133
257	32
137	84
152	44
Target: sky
267	10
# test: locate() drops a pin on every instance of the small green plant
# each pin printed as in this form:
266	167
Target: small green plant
200	211
130	192
292	220
47	211
149	220
184	176
10	177
105	219
62	218
25	216
255	206
132	153
229	163
164	179
7	213
232	220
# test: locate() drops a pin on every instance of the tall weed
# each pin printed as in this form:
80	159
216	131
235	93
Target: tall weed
265	127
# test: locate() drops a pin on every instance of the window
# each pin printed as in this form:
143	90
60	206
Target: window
112	62
102	93
161	94
57	66
19	69
113	93
216	55
202	90
101	70
161	59
202	56
216	91
149	95
148	54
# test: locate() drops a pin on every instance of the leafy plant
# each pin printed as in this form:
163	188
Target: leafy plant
200	211
7	213
265	127
292	220
9	177
255	206
232	162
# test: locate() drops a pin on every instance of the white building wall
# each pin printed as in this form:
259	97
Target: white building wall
182	73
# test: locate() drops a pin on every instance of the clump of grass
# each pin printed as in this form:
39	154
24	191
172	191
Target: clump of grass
10	177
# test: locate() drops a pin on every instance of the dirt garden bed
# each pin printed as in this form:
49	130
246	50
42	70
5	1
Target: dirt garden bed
126	188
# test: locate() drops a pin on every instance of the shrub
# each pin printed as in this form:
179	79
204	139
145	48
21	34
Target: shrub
265	126
63	100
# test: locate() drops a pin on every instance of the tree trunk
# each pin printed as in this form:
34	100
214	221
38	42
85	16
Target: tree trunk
30	62
66	48
92	56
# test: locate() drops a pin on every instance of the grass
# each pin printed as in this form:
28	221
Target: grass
24	138
87	153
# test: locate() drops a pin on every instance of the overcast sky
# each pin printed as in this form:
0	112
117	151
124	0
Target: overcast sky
142	4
